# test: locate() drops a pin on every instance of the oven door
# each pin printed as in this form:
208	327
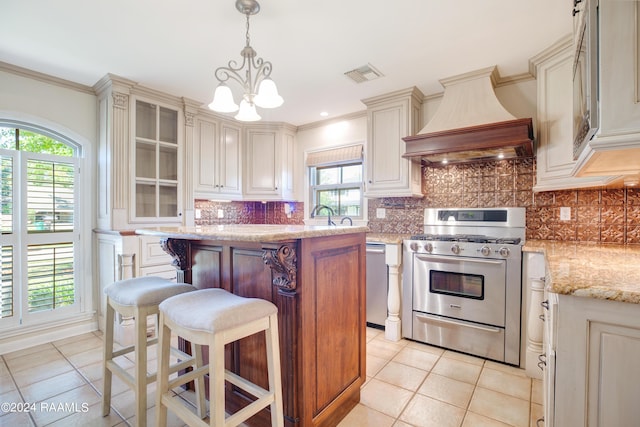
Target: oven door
471	289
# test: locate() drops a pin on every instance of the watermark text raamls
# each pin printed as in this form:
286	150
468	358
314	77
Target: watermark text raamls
67	407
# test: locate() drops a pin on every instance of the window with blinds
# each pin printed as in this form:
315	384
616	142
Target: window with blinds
50	196
336	180
38	242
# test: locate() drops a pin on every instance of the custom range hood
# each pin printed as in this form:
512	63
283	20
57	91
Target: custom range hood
471	125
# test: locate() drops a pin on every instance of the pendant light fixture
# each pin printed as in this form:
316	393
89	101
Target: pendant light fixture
257	85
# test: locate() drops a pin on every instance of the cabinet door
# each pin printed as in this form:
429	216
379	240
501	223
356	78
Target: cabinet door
205	171
263	163
156	191
389	120
218	160
229	160
613	375
555	162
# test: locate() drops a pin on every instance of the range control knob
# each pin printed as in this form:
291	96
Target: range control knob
455	248
414	247
485	250
428	247
504	252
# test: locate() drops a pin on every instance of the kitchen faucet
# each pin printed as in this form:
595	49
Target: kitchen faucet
347	218
318	208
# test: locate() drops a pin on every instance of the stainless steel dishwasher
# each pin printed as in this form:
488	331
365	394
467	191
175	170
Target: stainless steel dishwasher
377	285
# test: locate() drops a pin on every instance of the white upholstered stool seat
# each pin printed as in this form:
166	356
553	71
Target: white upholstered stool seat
215	317
137	298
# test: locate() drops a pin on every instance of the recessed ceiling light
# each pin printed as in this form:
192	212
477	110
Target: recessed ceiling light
324	114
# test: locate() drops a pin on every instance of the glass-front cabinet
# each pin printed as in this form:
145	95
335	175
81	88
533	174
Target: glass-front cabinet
156	192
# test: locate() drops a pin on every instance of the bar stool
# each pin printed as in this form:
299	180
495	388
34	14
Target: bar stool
215	317
138	297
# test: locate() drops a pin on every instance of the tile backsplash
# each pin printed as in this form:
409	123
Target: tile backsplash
596	215
248	212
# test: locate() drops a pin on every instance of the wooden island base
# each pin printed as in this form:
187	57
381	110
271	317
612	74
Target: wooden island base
318	285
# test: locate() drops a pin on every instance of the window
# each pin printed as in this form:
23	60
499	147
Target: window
338	187
38	242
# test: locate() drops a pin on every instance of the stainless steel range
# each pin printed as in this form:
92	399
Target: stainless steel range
462	281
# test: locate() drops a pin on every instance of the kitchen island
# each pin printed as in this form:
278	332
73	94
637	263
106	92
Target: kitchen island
315	275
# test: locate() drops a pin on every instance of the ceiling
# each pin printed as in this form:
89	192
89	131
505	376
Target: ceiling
175	46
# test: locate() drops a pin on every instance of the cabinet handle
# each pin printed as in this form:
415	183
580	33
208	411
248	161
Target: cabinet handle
538	421
575	2
575	12
542	361
545	304
541	317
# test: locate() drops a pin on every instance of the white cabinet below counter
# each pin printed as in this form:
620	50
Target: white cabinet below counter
597	374
591	334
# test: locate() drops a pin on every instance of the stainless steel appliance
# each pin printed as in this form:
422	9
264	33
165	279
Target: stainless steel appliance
462	281
377	285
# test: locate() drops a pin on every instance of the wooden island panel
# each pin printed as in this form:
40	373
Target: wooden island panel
318	285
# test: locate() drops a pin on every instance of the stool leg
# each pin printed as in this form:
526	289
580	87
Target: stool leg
164	344
216	381
141	367
201	405
273	368
107	357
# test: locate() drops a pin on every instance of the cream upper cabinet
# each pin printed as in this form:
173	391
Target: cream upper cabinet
554	151
390	118
269	162
597	375
140	156
217	160
615	148
155	192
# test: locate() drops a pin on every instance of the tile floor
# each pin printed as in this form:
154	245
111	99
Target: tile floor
408	384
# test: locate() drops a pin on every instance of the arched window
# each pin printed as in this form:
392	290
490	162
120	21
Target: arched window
39	237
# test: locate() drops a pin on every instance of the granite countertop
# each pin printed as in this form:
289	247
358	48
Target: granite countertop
390	238
592	270
250	232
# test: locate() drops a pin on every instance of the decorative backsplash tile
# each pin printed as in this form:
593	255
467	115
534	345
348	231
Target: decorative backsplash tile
597	215
249	212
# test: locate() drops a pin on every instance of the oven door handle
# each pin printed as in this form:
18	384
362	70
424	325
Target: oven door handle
457	260
438	319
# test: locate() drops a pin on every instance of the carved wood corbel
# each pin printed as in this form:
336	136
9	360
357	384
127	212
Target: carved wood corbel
283	264
179	251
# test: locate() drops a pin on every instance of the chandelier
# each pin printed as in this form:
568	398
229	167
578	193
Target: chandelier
258	87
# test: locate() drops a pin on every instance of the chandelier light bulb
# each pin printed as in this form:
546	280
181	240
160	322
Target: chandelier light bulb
247	112
223	100
268	96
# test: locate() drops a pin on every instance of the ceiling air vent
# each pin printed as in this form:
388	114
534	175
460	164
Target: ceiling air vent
363	74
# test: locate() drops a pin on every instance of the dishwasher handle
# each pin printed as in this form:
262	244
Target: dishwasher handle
375	249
